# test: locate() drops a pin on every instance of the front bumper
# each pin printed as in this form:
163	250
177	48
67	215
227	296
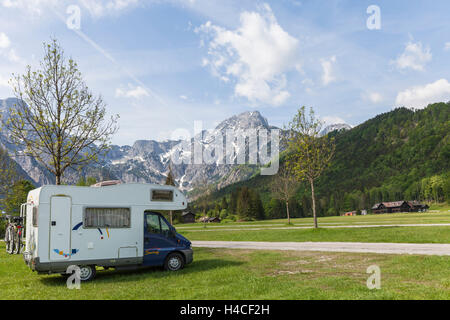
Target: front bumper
188	255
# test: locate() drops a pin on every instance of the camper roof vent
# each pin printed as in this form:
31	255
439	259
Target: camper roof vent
106	183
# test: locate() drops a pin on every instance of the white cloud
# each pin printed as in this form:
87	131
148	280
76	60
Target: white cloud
132	92
447	46
12	56
5	50
34	6
327	68
328	120
96	8
101	8
256	55
4	41
414	57
420	96
374	97
4	82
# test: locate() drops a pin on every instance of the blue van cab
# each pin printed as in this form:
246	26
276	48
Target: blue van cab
163	246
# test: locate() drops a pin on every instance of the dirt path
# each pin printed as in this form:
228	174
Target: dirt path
385	248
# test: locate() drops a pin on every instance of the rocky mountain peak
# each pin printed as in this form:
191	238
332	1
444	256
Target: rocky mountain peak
334	127
245	120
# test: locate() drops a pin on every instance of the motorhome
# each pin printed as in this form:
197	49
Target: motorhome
110	225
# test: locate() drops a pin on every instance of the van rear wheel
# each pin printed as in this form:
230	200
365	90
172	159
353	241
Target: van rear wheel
174	262
87	273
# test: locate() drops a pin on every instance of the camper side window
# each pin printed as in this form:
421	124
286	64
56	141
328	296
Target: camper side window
107	218
35	216
162	195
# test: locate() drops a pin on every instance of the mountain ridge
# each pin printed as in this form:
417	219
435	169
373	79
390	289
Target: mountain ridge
147	161
390	157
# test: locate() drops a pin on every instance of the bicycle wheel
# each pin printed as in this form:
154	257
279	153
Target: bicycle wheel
10	243
17	243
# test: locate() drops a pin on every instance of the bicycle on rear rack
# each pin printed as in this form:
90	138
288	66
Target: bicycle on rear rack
14	234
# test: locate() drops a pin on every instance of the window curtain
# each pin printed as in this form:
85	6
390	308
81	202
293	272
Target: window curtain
107	218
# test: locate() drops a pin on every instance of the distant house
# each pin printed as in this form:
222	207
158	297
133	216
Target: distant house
188	217
398	206
210	220
214	220
418	207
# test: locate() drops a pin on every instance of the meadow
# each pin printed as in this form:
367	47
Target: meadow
243	274
437	214
264	274
299	229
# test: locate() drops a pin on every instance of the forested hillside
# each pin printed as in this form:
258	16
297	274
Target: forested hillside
402	154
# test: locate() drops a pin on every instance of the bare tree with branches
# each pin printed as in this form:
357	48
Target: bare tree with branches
58	120
309	153
170	181
284	186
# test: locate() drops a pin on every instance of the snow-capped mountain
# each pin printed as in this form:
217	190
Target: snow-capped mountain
334	127
148	161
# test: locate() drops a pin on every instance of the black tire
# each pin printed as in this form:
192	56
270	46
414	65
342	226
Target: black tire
87	273
174	262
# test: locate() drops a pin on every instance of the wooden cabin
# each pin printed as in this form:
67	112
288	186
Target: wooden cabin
418	207
214	220
210	220
188	217
399	206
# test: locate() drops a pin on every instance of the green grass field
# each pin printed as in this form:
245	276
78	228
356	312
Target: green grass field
242	274
272	230
437	214
381	234
246	274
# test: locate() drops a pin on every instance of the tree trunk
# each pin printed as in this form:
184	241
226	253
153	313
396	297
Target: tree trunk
287	211
311	181
58	179
170	215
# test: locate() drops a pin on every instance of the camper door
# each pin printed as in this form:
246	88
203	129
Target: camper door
60	225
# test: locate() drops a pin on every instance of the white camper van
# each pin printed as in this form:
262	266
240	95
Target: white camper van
109	226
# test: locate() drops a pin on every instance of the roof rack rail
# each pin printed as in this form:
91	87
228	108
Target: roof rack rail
106	183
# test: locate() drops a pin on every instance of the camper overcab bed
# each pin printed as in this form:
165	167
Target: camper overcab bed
116	226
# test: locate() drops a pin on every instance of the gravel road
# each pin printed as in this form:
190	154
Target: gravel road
384	248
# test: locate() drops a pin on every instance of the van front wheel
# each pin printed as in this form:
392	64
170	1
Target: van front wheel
87	273
174	262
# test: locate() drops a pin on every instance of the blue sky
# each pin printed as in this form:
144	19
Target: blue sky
162	65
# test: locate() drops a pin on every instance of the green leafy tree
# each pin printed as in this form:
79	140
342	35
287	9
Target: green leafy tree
233	201
58	120
18	196
274	209
256	206
223	214
224	203
86	182
8	176
243	204
309	153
